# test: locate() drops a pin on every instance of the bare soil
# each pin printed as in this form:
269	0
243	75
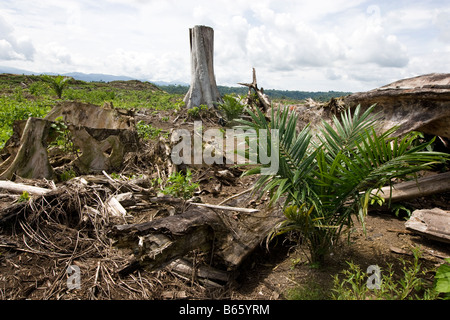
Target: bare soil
267	274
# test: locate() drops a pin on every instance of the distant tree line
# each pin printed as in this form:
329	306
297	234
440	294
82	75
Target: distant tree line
272	93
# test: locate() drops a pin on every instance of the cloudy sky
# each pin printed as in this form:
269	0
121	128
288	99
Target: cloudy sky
351	45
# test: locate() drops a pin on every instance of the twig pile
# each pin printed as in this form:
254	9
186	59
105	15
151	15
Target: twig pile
69	227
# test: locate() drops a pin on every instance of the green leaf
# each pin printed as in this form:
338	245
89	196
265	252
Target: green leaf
442	278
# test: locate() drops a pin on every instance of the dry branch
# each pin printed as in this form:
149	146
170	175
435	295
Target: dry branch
20	188
238	209
264	100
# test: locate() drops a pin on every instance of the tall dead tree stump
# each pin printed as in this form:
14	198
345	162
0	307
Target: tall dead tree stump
203	89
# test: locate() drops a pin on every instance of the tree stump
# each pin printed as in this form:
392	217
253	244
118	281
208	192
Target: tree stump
203	88
31	160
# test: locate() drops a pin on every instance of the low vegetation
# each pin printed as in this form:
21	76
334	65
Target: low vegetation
23	96
413	283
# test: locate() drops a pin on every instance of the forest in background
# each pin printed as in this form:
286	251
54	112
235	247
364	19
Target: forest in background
321	96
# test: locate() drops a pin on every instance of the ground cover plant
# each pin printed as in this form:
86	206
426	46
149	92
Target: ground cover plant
23	96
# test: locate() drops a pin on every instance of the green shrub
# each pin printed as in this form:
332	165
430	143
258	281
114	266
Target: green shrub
67	175
61	136
328	180
231	108
180	185
198	112
352	283
442	279
57	83
147	131
24	197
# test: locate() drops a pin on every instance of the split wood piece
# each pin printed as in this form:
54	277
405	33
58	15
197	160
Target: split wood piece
20	188
203	88
228	238
263	98
431	223
114	208
31	160
101	149
421	187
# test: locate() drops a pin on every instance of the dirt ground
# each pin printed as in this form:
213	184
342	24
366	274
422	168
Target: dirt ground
26	273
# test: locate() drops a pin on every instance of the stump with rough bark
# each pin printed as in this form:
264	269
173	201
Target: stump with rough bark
203	89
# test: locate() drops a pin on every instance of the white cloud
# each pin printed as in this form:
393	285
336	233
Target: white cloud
303	45
13	47
442	21
373	45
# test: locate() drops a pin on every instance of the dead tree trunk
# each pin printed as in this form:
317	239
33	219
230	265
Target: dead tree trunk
203	89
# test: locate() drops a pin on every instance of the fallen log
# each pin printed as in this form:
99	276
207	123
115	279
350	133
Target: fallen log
158	242
229	239
421	187
431	223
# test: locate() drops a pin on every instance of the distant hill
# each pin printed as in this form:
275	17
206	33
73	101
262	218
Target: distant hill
88	77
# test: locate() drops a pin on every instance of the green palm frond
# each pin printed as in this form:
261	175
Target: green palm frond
332	181
295	156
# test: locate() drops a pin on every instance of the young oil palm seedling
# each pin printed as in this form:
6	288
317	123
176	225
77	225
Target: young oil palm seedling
328	179
56	83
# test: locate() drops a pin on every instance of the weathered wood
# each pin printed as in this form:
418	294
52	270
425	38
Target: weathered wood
431	223
20	188
114	208
92	116
158	242
101	149
203	88
421	187
415	104
31	160
229	238
237	209
264	101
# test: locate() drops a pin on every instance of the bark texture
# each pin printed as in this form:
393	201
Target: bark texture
203	88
